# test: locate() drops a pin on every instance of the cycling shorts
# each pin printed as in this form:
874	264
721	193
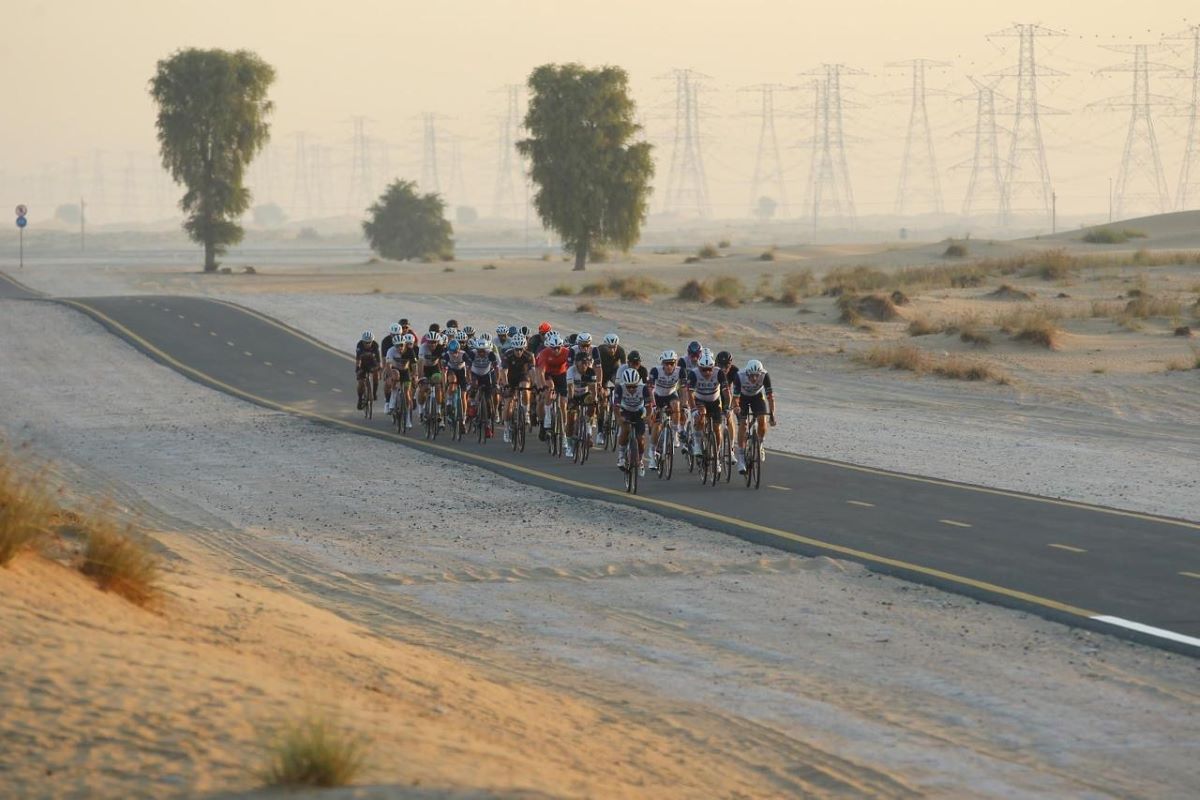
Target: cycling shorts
712	408
515	380
487	380
636	420
429	370
459	375
666	399
560	383
577	400
755	401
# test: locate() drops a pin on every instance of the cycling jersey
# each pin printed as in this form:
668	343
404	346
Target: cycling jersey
534	343
484	363
665	384
580	383
386	344
401	357
456	360
751	385
611	359
633	402
367	352
706	389
518	366
430	351
553	363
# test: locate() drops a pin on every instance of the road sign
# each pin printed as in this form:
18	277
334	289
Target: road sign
21	222
22	210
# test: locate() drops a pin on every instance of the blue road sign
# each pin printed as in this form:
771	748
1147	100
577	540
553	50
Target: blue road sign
21	222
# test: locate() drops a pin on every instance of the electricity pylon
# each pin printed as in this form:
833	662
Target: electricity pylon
509	172
768	165
1188	194
985	189
1027	185
918	171
301	191
429	155
829	189
361	179
687	184
1141	182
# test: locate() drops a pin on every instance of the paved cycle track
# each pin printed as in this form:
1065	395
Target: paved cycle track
1125	573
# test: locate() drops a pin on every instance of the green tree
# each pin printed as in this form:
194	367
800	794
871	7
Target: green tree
593	182
212	120
404	224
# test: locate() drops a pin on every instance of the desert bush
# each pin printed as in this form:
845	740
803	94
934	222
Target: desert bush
585	308
708	251
1009	292
313	752
594	289
1053	265
726	301
960	368
562	290
118	559
723	243
597	255
895	356
956	250
912	359
692	260
636	287
970	330
1145	306
493	266
26	508
694	291
877	307
921	325
727	291
841	280
767	255
1036	327
447	269
1111	235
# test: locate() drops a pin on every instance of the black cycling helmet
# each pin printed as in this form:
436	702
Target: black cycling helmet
513	330
524	330
694	348
434	327
451	323
404	322
634	355
571	339
724	358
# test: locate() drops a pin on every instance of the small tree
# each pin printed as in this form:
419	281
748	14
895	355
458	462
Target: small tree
212	120
404	224
593	183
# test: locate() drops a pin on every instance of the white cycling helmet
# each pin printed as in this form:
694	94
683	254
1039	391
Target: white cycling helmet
630	377
394	329
461	336
469	330
408	338
706	352
553	339
611	339
487	337
482	344
441	338
450	333
502	329
667	355
583	338
706	360
754	367
367	336
518	341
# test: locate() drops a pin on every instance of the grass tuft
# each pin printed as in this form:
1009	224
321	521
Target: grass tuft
767	255
727	291
876	307
694	291
912	359
585	307
119	560
708	251
312	752
921	325
562	290
26	509
1145	306
956	250
1111	235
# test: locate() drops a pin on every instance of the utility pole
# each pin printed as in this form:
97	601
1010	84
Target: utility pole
1141	182
129	189
1027	178
1188	194
770	172
918	146
829	181
429	157
986	186
301	191
504	203
687	183
82	225
1053	211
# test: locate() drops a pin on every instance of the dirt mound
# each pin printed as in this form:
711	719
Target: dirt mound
1008	292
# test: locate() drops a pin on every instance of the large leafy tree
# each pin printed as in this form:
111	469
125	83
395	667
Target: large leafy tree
212	120
593	180
404	224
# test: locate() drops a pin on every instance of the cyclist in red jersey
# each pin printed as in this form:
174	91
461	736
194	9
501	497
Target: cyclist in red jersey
552	364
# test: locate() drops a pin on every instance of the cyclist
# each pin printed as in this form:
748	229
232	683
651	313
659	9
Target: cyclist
484	366
726	366
406	328
469	330
454	360
366	367
752	392
666	379
634	359
612	357
582	387
537	341
507	344
501	340
632	397
552	369
400	359
692	355
515	376
430	355
706	395
393	337
451	324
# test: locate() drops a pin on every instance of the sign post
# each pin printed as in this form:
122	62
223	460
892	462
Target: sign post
22	210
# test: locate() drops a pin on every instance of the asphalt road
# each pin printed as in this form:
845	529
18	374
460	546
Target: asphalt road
1125	573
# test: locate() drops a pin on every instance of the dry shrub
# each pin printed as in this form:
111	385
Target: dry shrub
727	291
1101	308
921	325
900	298
119	560
848	280
562	290
27	509
1053	265
313	752
955	250
692	260
969	328
708	251
585	308
594	289
694	291
1145	306
597	255
912	359
960	368
767	255
1039	329
485	267
726	301
877	307
636	287
1007	291
895	356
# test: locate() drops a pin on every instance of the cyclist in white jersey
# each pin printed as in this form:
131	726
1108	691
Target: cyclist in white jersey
706	395
752	391
666	380
633	399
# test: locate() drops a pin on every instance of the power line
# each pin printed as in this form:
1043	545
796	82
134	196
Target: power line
830	192
986	185
918	147
429	155
768	165
687	183
509	173
1188	193
359	196
301	190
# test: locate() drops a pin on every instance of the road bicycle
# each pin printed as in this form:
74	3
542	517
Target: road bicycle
432	414
633	461
665	446
454	413
753	454
519	423
400	410
483	414
709	456
554	440
581	436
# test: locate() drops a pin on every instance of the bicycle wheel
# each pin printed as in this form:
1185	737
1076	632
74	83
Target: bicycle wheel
751	457
587	440
558	432
431	416
727	455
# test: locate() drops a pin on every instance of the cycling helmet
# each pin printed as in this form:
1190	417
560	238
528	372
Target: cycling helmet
667	355
574	337
394	329
611	339
461	336
453	346
524	330
634	355
441	338
553	340
367	336
408	338
451	323
485	336
706	361
754	367
451	333
544	328
404	322
502	330
694	348
469	330
513	330
434	327
582	356
724	358
630	377
583	338
519	341
482	344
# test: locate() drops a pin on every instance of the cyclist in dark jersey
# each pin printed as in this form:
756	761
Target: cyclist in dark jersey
366	365
516	376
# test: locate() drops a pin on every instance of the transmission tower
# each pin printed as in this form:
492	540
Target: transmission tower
129	209
509	173
429	162
687	184
301	189
1027	178
918	171
985	190
1141	182
97	197
1188	194
456	189
768	165
361	179
831	195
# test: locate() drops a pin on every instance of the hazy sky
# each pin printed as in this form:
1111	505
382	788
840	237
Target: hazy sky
76	74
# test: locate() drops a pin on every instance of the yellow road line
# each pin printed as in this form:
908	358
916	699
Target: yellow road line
862	503
777	486
955	523
1116	512
1190	574
1068	548
849	552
